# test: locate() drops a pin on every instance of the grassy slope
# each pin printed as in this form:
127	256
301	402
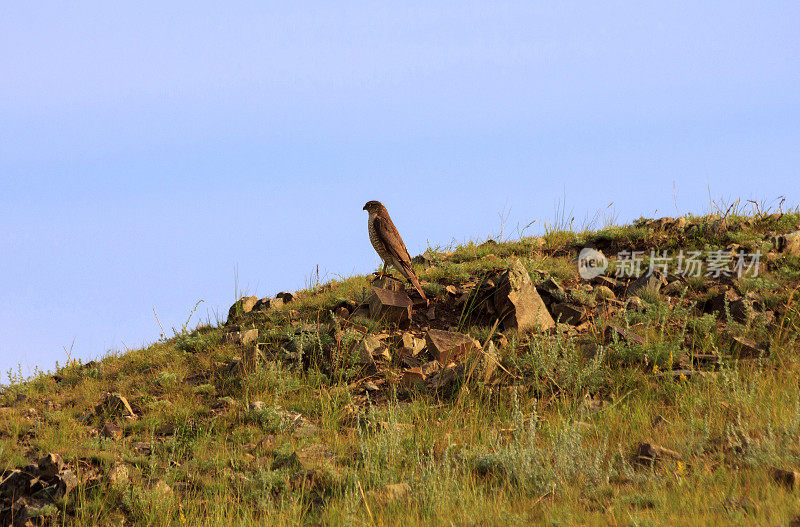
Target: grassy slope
554	444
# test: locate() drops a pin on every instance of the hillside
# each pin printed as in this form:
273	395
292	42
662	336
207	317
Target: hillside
521	394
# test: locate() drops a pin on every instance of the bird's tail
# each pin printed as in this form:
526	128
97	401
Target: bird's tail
408	271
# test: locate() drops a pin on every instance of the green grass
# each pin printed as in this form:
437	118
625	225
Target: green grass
551	440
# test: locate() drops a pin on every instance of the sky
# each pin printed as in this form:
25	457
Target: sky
155	154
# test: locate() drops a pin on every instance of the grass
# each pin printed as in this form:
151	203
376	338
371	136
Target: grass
551	440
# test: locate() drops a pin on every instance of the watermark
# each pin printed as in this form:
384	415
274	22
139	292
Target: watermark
713	263
591	263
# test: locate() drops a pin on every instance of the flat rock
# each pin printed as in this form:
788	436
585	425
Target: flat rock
50	465
449	346
390	306
241	307
567	313
115	405
517	302
653	281
787	478
242	338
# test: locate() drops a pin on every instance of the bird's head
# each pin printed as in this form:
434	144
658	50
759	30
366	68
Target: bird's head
373	206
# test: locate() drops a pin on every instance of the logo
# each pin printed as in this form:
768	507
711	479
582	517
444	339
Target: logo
591	263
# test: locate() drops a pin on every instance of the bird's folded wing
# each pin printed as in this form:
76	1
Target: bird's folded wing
391	240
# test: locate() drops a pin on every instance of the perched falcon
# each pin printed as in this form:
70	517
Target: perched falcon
388	243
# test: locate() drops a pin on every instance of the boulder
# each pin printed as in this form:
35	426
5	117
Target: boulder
567	313
241	307
517	303
50	465
652	281
449	346
243	337
388	282
115	405
390	306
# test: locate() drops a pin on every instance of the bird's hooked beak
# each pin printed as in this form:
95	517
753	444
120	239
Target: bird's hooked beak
364	208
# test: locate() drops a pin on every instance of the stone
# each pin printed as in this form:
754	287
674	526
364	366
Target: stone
50	465
517	302
388	282
241	307
603	293
649	452
748	348
787	478
315	456
396	492
603	280
490	361
162	488
390	306
411	345
567	313
111	431
16	484
551	292
263	304
413	376
625	334
653	281
115	405
285	297
67	481
258	406
119	474
367	348
242	338
449	346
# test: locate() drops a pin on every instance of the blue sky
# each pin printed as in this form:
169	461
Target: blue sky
151	152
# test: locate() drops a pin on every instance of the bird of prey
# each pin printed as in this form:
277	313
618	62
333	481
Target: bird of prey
388	244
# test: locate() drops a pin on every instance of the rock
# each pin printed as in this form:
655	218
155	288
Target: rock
367	348
627	335
413	376
111	431
648	453
315	456
263	304
388	282
634	303
411	345
67	482
653	281
258	406
390	306
787	478
242	338
16	484
371	386
748	348
603	293
162	488
567	313
396	492
241	307
119	474
517	302
448	346
115	405
285	297
143	448
298	425
551	292
50	465
490	360
603	280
